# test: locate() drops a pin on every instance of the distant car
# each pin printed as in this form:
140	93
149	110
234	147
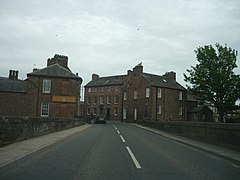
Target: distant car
100	120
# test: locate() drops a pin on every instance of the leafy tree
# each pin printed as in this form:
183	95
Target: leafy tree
213	78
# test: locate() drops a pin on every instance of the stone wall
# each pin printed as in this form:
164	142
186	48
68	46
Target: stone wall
222	134
20	128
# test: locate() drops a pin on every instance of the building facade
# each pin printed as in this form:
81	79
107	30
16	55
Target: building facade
53	91
13	94
140	96
103	96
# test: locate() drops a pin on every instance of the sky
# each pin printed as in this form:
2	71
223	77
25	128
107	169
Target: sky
109	37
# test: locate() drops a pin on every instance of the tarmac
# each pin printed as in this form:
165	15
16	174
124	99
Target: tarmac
19	150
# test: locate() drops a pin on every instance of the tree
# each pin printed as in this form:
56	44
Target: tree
213	78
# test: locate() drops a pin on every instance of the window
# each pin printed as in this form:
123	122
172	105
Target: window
63	110
115	99
180	111
88	111
159	92
95	100
115	111
44	109
195	116
46	86
203	117
94	111
159	109
180	95
135	94
101	100
147	92
124	96
108	99
65	87
124	113
89	90
89	100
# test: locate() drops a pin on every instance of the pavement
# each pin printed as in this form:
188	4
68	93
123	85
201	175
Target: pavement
22	149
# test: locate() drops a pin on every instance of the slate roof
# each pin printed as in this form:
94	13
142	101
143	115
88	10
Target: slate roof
155	80
107	81
161	81
54	70
9	85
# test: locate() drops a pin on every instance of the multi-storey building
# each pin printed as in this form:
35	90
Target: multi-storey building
141	96
53	91
103	96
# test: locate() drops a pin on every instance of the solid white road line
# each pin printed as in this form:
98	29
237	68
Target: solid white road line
133	158
123	140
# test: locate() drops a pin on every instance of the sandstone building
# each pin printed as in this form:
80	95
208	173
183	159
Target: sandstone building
136	96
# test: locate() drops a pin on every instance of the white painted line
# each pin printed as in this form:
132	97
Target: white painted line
236	166
133	158
115	127
118	131
123	140
214	157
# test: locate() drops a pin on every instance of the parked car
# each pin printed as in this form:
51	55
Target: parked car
100	120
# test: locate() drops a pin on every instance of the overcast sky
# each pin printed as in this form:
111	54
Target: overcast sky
109	37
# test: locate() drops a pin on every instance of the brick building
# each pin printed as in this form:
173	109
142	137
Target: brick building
53	91
13	94
140	96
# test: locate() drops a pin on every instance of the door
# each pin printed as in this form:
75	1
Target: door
135	114
108	114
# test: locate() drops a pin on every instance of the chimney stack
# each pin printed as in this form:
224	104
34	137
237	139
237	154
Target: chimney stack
13	75
58	59
137	70
170	75
95	77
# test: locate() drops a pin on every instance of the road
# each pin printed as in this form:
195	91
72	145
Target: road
120	151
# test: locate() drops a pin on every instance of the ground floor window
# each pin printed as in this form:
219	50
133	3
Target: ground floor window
115	111
45	109
94	111
159	109
124	113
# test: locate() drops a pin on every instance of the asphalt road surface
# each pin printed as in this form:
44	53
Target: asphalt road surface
120	151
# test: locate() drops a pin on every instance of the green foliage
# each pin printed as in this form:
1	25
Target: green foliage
213	77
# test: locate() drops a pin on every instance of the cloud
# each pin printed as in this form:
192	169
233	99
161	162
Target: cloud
109	37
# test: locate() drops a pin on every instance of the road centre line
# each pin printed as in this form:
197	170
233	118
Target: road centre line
118	131
133	158
123	140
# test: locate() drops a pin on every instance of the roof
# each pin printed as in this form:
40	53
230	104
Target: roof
10	85
54	70
155	80
107	81
161	81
